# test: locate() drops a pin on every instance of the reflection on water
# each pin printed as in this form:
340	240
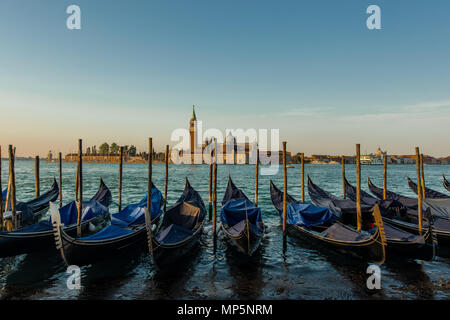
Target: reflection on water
219	271
33	273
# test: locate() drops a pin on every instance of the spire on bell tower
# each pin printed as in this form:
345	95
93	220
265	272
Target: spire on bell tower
193	133
194	117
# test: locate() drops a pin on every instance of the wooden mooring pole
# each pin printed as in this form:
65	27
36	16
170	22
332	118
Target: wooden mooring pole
8	200
302	160
80	186
384	177
419	189
215	200
210	190
344	194
148	212
60	179
284	191
37	187
166	177
76	180
1	192
358	188
13	187
256	177
422	176
120	177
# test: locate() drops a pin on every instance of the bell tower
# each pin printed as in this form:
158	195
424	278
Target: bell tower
193	133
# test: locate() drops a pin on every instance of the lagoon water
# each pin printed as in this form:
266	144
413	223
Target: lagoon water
298	273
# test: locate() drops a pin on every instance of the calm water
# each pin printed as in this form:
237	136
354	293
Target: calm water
299	273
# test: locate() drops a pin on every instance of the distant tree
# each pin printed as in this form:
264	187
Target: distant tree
132	151
88	150
161	156
296	158
114	148
104	148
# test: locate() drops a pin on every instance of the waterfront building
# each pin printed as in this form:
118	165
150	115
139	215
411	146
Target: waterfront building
378	157
228	152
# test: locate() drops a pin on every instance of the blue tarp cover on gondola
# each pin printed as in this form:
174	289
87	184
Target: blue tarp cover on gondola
27	212
131	215
183	219
173	234
135	213
69	214
235	211
91	209
308	215
110	232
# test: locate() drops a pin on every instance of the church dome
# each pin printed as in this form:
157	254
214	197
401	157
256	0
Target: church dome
229	138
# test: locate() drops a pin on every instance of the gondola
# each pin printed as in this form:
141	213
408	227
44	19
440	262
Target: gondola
408	219
39	236
241	220
400	243
429	193
446	183
126	232
392	212
318	226
32	210
407	202
438	207
180	230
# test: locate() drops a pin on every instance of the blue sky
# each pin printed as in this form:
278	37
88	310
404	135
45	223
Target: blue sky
310	68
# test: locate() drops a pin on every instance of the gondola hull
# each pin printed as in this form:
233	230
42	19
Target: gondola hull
396	248
180	231
325	233
429	193
425	251
446	183
400	244
241	220
442	234
40	204
126	235
442	238
15	243
422	251
371	250
243	244
81	253
33	210
166	257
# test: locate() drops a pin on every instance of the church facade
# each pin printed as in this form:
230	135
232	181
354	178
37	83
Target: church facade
228	151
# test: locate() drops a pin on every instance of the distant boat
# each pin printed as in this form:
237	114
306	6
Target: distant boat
290	166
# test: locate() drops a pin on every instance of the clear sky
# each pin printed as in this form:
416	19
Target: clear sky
310	68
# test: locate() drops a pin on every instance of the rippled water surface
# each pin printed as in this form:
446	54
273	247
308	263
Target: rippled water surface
299	273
